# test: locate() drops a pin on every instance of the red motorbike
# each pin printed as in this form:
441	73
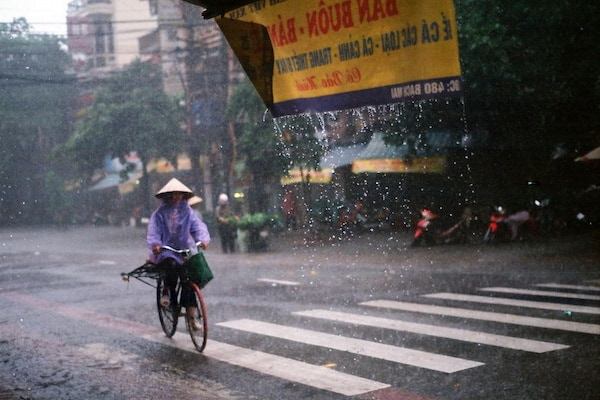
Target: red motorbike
424	233
496	218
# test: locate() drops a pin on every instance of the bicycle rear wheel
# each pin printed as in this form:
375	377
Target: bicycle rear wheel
168	316
199	330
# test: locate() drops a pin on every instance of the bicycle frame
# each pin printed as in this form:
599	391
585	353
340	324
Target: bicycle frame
169	315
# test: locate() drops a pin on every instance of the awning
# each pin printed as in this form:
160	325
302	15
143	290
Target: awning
164	166
113	180
420	165
378	149
335	158
218	7
378	157
110	180
341	156
591	156
312	176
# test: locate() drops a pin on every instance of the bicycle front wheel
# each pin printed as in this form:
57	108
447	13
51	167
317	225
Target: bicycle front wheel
197	324
169	315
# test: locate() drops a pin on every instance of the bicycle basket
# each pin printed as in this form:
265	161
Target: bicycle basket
197	269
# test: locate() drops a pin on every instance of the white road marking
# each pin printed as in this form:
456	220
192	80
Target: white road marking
292	370
487	316
575	287
545	293
517	303
534	346
387	352
278	282
284	368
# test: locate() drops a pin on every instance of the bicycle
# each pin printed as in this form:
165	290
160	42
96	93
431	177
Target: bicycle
169	315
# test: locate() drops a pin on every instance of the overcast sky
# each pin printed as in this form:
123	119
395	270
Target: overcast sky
46	16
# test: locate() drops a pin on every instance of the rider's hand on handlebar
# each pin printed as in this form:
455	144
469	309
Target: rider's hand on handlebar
156	249
202	246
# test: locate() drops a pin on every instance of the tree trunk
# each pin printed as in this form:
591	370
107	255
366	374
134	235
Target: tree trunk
145	188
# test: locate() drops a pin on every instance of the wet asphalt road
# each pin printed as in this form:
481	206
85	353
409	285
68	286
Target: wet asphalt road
71	329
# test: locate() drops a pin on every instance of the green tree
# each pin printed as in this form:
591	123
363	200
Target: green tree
407	123
530	69
260	148
303	149
35	100
130	113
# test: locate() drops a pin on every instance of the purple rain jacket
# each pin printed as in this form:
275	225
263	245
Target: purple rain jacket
175	225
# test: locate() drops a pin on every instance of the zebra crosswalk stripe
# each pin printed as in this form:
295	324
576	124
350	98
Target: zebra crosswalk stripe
534	346
545	293
296	371
280	367
579	327
382	351
574	287
278	282
517	303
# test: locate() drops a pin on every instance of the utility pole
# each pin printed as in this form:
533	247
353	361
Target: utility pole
201	181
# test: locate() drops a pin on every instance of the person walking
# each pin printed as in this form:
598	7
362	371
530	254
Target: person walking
195	203
289	210
226	223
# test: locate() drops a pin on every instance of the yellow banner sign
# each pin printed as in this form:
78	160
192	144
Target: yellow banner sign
426	165
337	54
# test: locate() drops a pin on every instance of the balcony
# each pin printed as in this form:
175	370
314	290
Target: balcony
82	8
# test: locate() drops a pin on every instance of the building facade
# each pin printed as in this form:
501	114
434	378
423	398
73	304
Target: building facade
102	35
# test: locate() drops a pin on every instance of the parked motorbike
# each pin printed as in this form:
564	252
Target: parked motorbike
351	218
508	227
425	232
494	226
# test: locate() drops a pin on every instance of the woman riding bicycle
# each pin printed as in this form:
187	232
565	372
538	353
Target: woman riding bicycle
176	225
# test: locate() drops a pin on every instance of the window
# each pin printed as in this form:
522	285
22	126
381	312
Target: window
104	42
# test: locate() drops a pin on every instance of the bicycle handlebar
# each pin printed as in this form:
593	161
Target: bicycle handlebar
149	270
184	251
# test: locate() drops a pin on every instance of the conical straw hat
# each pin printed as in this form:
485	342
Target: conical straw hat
195	200
174	185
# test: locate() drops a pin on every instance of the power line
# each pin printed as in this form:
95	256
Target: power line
97	21
173	23
90	21
17	80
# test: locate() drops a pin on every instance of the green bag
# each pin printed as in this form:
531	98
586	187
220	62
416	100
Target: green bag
196	268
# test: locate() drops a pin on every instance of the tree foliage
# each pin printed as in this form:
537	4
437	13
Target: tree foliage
35	101
257	144
130	113
270	153
260	148
530	68
302	147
